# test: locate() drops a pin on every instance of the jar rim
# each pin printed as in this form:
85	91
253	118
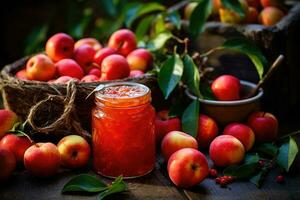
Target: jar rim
143	97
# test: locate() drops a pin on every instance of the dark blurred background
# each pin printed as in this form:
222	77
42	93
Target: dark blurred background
26	25
19	18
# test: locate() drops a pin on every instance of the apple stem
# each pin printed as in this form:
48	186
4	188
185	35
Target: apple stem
274	66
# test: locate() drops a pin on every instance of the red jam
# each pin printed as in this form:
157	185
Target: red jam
123	130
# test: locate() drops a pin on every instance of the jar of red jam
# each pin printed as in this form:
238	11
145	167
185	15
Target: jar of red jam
123	130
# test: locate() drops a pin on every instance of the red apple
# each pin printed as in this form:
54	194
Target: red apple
60	46
74	151
16	144
269	16
207	131
7	120
7	164
136	73
114	67
165	124
40	67
187	167
90	78
42	159
242	132
230	16
95	71
216	6
226	150
103	53
251	16
22	74
254	3
95	44
176	140
68	67
271	3
226	88
84	56
63	80
140	59
123	41
264	126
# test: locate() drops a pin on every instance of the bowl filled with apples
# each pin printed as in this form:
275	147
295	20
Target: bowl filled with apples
231	102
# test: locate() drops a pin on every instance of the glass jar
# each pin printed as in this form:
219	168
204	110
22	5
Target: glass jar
123	130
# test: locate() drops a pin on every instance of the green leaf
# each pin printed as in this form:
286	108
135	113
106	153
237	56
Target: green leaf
287	154
176	108
206	92
235	6
17	132
159	25
251	158
267	148
199	16
170	74
190	119
191	76
257	179
35	40
143	27
116	187
78	30
241	172
130	12
250	49
84	183
108	7
230	170
143	10
245	170
175	19
159	41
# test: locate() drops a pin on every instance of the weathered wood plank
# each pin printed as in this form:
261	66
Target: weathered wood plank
25	187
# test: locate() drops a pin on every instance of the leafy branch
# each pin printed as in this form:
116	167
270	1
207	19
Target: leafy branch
90	184
266	156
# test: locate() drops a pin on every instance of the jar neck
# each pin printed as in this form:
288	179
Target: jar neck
123	95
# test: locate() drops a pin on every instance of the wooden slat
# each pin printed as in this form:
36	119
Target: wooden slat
25	187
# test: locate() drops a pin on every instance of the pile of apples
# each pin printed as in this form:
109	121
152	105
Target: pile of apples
187	166
86	60
39	159
266	12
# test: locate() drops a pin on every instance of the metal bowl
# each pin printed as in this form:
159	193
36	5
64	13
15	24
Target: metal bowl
225	112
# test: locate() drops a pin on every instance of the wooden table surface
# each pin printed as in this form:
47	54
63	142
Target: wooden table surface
155	185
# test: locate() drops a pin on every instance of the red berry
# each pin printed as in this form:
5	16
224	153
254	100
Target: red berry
229	179
261	163
213	172
280	179
218	180
223	182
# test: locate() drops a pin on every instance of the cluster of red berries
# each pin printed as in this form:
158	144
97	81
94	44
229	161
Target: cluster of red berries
224	180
